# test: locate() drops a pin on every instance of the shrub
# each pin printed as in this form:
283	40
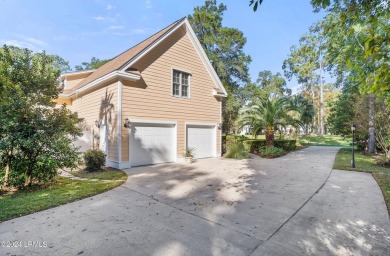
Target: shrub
189	152
255	146
94	159
286	144
271	152
236	149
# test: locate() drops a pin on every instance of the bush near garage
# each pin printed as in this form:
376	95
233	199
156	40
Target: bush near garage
94	159
255	146
271	152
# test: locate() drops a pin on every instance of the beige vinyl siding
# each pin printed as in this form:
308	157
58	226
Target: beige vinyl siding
89	107
151	98
72	81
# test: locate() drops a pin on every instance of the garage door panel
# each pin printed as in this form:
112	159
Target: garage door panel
152	144
201	138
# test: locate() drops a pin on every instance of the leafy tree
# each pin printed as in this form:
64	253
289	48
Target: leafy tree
306	62
225	48
60	64
341	113
270	115
35	137
95	63
305	109
266	86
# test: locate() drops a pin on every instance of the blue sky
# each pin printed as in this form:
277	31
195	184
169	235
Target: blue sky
78	30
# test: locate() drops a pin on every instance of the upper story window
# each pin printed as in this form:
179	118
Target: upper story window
181	84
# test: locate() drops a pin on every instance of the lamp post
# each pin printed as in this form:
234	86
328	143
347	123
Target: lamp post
353	127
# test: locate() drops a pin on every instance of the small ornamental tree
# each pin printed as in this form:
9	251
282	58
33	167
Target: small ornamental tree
35	137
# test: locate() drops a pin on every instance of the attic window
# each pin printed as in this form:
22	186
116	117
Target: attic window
181	84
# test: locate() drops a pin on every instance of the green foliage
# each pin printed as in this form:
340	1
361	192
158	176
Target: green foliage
357	44
224	47
94	159
341	113
305	110
267	86
271	152
326	140
95	63
256	145
60	191
236	150
189	152
269	115
35	137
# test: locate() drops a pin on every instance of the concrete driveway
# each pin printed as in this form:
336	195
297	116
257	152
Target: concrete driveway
288	206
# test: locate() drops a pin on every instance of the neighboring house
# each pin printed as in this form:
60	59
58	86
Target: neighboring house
148	104
246	130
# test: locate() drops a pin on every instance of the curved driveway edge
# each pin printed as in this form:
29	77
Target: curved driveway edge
347	217
212	207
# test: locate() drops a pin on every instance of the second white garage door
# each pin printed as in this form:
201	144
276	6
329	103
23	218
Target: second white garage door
152	144
202	139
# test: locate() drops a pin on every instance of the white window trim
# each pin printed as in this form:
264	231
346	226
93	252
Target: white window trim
180	89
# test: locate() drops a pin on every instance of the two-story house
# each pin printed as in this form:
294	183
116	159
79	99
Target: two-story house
151	102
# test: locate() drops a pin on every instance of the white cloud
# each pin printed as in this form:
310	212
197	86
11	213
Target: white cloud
109	7
138	31
99	18
116	27
34	41
25	42
64	38
19	43
148	4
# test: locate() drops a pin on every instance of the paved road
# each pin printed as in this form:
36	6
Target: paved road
286	206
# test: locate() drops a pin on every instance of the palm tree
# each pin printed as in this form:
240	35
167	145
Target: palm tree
270	115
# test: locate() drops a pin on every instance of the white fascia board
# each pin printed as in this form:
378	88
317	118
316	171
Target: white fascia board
206	62
103	79
152	46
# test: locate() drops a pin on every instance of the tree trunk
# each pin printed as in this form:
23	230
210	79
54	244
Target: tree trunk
371	125
321	110
269	137
7	170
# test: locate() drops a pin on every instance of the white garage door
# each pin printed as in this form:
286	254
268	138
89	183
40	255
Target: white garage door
151	144
201	138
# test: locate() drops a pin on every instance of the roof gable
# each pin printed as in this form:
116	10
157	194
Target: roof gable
122	62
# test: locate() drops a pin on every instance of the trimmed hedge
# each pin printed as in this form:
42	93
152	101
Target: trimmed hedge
256	145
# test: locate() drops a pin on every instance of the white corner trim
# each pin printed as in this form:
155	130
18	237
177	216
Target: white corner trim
152	46
206	62
103	79
120	120
117	165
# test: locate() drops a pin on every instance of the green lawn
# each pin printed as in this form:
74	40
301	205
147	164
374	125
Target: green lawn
326	140
60	191
106	174
365	164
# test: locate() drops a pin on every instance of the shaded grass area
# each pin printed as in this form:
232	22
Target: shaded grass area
58	192
106	174
365	164
325	140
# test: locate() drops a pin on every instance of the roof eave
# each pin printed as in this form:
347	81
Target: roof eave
113	75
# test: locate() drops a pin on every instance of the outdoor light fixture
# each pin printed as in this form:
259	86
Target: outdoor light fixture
127	123
353	128
219	126
97	123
